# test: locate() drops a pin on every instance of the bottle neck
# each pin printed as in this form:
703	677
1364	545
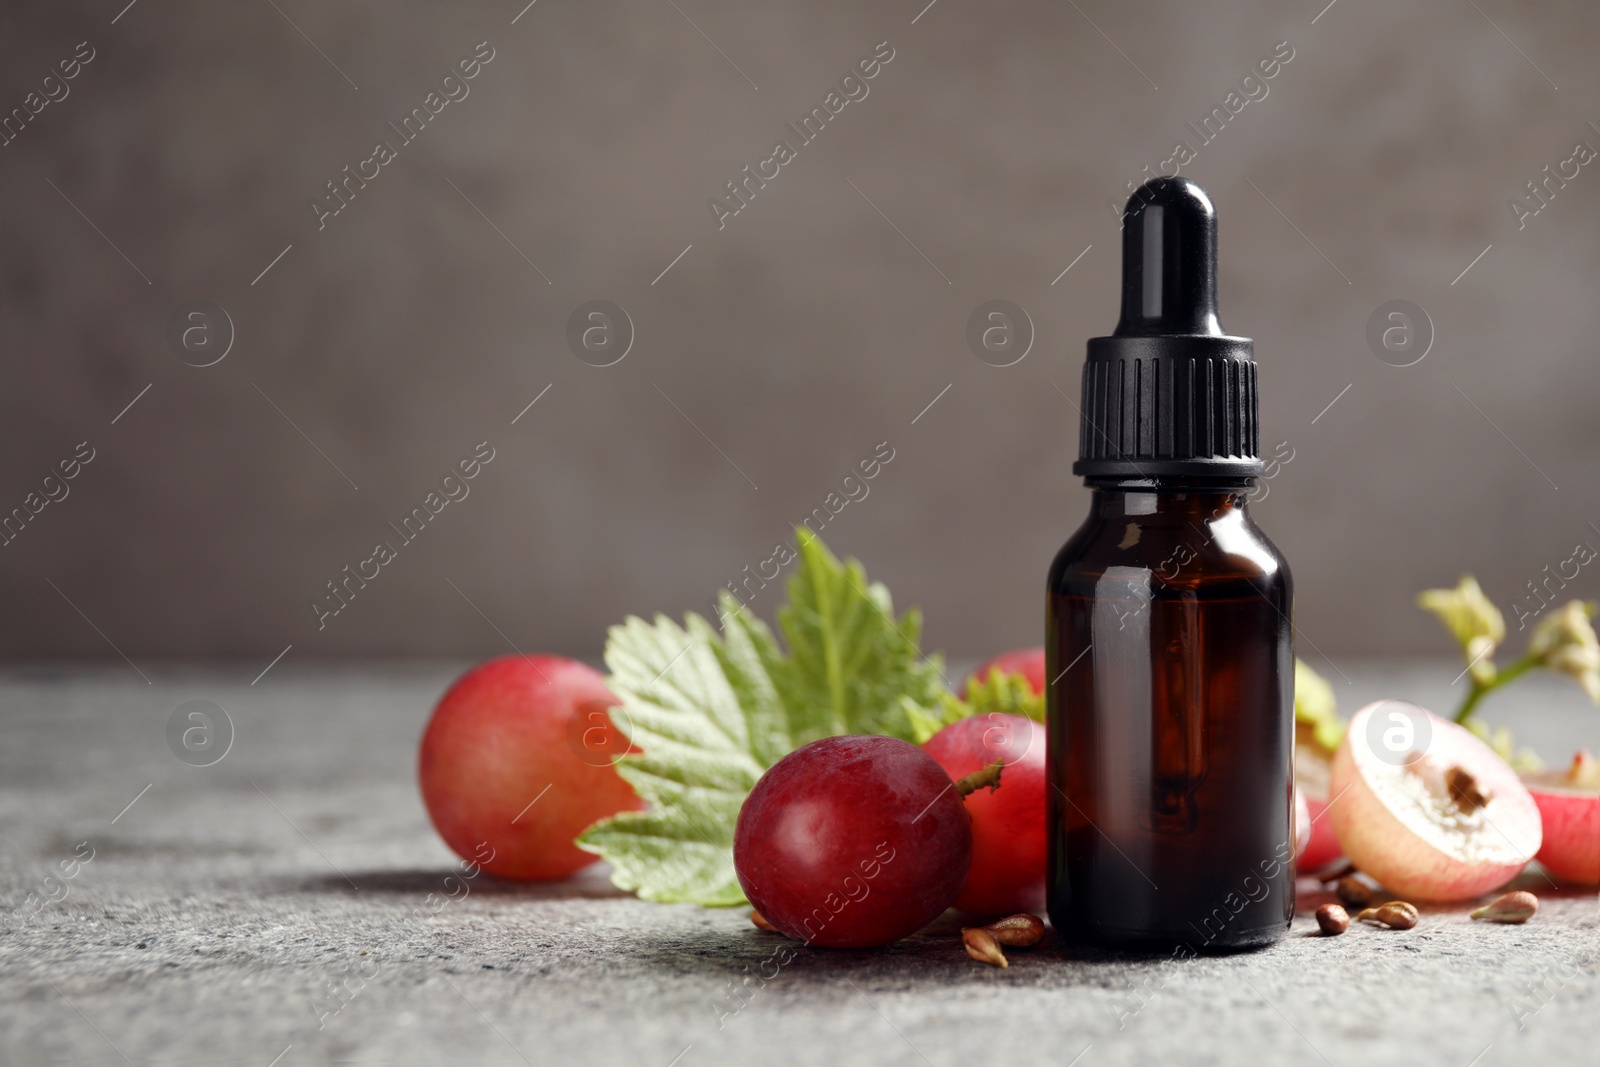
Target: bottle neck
1185	501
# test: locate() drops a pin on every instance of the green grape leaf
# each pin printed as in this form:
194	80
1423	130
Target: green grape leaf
1009	693
708	713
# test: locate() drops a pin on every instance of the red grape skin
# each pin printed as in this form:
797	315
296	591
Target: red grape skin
1323	848
851	842
1008	837
512	730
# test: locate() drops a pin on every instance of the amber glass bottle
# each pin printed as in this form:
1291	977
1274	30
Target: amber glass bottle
1168	634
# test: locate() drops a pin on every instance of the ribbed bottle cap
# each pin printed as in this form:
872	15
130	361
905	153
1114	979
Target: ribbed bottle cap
1169	394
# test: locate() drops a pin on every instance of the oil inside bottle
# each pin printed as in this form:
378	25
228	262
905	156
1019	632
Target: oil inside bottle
1171	768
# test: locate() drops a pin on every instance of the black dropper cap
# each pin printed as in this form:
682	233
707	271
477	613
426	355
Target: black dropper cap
1169	395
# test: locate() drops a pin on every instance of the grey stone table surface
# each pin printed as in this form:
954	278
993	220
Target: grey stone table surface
221	902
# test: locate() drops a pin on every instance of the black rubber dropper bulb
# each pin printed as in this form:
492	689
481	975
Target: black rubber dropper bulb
1169	394
1169	262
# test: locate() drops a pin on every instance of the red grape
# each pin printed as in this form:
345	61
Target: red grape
1569	806
850	842
1321	847
1028	662
1008	838
518	760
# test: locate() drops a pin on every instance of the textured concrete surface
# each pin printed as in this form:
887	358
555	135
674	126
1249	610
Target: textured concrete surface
1378	167
219	906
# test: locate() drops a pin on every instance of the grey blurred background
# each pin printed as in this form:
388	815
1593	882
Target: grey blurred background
773	354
